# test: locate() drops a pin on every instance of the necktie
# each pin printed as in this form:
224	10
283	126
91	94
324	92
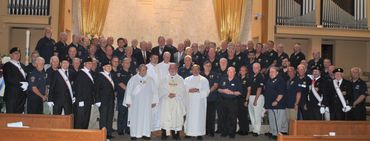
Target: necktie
179	57
144	55
66	73
161	50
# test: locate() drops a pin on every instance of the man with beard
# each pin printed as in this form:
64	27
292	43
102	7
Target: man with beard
340	97
314	103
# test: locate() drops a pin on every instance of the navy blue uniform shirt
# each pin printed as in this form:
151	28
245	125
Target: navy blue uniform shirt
233	85
273	88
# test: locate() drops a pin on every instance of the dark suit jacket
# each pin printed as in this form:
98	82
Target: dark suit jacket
12	79
140	58
84	88
155	50
104	91
333	100
58	91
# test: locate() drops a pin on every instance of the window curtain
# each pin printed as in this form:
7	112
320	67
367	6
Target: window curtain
93	14
229	18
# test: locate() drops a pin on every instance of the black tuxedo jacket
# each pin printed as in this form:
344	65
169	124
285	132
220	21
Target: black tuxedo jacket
58	91
104	91
84	88
12	78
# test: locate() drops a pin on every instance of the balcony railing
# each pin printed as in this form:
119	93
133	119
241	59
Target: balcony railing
29	7
296	13
348	14
333	16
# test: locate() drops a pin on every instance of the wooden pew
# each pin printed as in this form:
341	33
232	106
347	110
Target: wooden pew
38	121
341	128
322	138
44	134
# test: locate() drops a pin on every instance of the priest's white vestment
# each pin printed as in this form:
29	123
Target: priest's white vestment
196	105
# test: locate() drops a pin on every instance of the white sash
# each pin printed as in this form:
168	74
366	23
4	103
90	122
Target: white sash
19	68
346	108
88	74
110	79
314	92
61	72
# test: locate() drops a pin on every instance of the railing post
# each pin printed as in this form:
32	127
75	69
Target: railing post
368	14
318	13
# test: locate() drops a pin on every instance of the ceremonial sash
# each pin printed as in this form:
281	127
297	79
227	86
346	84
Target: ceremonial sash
2	86
314	92
19	68
88	74
109	79
66	80
346	108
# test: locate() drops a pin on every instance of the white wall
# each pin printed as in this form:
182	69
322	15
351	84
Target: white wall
147	19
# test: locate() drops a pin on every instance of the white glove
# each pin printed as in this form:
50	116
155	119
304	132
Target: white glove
81	104
73	100
24	85
50	104
98	104
322	110
346	109
327	109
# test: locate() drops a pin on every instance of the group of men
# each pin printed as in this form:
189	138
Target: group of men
170	88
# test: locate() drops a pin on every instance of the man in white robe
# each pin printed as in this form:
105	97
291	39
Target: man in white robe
164	65
140	97
155	74
172	107
197	89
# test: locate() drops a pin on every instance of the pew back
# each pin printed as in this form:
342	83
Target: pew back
44	134
38	121
322	138
341	128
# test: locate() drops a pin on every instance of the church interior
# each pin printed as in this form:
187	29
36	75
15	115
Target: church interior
338	30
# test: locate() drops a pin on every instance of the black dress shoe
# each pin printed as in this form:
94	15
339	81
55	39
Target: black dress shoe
232	136
199	138
268	134
133	138
146	138
218	131
110	137
255	134
127	131
211	134
243	133
163	135
223	135
121	133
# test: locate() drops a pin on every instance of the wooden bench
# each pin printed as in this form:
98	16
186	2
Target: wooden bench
44	134
322	138
341	128
38	121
